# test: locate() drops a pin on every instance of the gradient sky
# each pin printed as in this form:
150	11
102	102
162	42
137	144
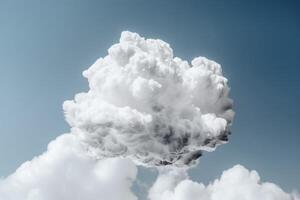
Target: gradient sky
45	45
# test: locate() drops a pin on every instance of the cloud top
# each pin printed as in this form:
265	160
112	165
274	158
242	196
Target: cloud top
66	172
148	105
237	183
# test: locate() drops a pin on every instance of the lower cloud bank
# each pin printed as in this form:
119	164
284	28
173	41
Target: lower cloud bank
65	172
237	183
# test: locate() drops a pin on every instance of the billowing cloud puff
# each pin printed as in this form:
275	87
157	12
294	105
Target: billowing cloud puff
148	105
65	172
237	183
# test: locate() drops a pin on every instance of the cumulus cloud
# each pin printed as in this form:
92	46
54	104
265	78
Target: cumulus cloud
65	172
148	105
237	183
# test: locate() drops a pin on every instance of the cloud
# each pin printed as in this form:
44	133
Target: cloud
237	183
65	172
146	104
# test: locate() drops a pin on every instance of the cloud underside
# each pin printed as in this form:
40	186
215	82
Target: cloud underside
65	172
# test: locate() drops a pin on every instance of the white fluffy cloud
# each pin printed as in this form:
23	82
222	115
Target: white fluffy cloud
237	183
65	172
148	105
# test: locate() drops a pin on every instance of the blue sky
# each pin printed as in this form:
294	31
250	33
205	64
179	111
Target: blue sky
44	47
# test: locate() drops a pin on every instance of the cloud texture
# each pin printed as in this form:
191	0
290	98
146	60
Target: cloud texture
65	172
148	105
237	183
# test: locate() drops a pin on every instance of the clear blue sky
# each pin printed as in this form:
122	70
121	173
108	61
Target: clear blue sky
45	45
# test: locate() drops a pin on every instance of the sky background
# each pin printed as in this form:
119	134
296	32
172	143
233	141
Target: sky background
45	45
